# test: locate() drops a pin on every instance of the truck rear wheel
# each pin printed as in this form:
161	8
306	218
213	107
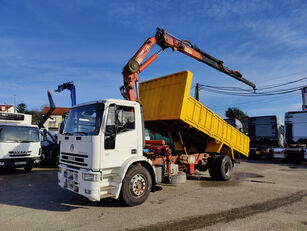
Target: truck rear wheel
136	186
213	167
221	168
226	168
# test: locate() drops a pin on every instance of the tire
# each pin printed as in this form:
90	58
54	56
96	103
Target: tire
136	186
252	155
221	168
28	167
212	167
270	156
55	155
225	168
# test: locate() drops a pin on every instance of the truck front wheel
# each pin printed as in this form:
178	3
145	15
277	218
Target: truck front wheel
136	185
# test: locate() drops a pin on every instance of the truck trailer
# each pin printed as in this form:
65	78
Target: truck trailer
103	152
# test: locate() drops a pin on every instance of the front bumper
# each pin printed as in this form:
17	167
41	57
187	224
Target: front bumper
72	179
19	162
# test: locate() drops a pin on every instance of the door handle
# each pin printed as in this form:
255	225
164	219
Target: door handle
133	151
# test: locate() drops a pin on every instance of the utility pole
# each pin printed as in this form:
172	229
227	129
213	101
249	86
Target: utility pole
304	97
197	92
14	103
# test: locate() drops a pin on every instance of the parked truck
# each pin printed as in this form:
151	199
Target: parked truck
235	123
266	134
103	152
296	137
19	141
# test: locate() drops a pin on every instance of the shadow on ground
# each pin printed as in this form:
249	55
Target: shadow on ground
293	165
39	190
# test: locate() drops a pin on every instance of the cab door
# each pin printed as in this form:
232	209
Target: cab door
120	138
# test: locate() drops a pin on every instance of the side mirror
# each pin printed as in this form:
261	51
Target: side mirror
111	132
111	129
61	127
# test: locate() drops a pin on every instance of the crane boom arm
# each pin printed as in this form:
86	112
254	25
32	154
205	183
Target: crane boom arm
71	87
165	40
44	118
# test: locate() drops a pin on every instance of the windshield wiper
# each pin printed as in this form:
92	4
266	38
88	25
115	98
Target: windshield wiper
67	133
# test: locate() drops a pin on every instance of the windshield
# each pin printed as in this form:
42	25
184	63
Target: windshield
18	134
84	120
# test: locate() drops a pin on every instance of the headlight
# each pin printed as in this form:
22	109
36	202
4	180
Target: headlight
90	177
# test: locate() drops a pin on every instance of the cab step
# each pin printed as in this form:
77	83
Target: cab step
106	188
109	175
107	195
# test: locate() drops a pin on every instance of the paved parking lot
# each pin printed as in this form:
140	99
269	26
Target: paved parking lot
261	195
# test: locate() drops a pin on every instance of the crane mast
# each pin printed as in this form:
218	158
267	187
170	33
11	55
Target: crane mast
165	40
71	87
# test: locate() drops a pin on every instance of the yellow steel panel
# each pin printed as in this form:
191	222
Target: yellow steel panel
168	98
162	98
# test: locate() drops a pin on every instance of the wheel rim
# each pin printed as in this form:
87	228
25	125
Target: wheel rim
138	185
227	168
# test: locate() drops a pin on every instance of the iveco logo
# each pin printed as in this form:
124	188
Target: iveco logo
72	147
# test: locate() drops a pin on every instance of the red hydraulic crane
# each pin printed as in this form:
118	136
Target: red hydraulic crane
165	40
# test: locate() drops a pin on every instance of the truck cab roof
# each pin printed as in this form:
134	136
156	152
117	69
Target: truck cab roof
108	101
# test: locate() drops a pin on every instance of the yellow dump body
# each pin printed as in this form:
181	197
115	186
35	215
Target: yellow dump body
169	108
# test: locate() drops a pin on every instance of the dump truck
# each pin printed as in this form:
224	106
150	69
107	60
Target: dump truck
103	152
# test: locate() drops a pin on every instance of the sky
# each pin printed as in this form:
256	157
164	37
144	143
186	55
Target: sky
46	43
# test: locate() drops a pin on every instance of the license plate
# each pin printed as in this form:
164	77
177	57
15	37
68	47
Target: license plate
258	152
20	162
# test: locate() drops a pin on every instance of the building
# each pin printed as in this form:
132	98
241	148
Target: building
56	117
7	108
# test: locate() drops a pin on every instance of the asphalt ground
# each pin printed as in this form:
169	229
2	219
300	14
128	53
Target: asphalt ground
261	195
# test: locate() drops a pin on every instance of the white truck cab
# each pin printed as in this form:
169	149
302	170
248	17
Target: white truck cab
19	141
101	152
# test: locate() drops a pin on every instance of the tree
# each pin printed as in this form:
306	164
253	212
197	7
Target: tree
36	116
234	112
21	108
